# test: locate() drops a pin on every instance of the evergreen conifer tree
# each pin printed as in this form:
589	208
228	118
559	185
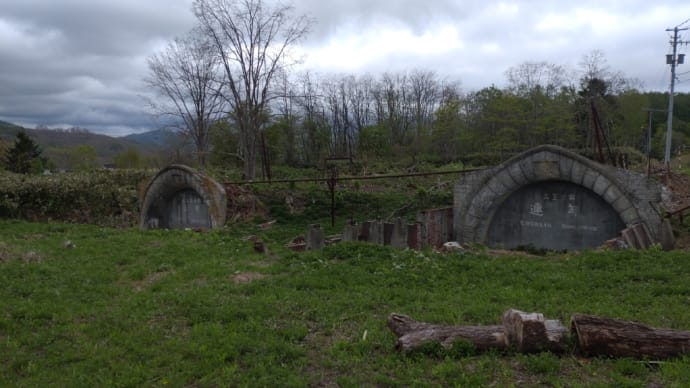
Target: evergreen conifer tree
25	156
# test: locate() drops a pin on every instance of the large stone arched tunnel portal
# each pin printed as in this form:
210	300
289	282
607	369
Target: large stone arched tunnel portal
549	197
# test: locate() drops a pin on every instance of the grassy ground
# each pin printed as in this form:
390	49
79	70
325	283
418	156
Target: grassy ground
89	306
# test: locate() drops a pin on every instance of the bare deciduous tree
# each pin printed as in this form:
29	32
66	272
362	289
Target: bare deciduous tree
594	65
425	90
186	74
360	99
396	95
539	83
252	40
527	77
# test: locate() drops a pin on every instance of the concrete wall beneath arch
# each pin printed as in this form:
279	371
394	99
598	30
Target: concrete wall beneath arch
631	198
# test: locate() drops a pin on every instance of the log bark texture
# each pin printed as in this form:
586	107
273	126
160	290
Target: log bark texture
412	334
530	332
619	338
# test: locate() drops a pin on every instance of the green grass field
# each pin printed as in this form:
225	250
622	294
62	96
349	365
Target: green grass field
90	306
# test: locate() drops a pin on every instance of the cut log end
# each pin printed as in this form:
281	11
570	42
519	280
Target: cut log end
530	332
401	324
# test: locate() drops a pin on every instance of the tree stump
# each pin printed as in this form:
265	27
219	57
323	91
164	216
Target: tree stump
412	334
619	338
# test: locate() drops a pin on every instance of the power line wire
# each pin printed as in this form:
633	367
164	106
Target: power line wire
662	81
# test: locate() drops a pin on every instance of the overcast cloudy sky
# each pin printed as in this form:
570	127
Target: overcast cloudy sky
67	63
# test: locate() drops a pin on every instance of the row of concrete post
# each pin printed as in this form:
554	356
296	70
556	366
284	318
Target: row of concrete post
432	228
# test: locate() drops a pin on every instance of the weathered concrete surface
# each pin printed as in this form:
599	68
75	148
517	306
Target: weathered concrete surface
375	232
479	196
182	197
315	238
433	228
399	234
553	215
350	231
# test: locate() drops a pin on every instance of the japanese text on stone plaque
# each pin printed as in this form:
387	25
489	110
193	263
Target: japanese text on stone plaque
537	209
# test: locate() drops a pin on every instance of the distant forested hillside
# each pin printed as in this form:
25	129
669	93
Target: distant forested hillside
158	137
63	146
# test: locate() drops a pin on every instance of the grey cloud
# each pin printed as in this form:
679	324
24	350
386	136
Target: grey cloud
332	15
82	62
102	27
634	42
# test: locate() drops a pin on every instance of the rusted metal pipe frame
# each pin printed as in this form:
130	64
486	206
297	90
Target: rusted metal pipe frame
354	178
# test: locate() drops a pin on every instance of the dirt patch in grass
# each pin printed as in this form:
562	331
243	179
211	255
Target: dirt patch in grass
246	277
7	254
32	257
149	280
32	237
264	263
153	244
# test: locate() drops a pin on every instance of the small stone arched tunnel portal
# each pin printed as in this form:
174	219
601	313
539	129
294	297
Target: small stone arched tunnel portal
551	198
181	197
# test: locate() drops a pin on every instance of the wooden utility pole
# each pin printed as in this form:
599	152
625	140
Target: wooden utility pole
673	60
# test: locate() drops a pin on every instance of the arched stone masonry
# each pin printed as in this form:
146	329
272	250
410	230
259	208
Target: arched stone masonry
478	195
181	197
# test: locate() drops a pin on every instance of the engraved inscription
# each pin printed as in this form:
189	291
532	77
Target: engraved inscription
536	209
553	215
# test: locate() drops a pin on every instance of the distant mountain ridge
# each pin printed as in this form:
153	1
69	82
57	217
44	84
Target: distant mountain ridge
157	137
53	141
8	129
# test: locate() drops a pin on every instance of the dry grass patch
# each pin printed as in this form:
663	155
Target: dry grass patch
246	277
150	280
32	257
8	253
5	253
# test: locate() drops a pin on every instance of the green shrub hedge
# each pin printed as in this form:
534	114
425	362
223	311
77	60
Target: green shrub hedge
102	196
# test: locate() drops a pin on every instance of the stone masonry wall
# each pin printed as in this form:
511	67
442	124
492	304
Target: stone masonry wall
478	195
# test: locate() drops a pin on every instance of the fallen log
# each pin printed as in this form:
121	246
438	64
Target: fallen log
412	334
619	338
531	333
525	332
